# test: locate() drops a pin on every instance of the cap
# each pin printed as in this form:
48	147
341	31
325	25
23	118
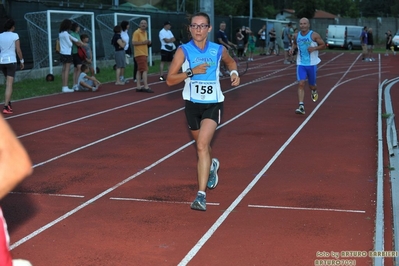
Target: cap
167	23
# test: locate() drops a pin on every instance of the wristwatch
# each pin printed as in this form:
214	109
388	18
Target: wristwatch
189	72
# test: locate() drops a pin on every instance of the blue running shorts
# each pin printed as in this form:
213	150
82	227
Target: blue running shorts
309	72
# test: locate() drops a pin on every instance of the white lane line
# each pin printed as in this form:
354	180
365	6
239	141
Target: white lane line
51	195
304	209
190	255
106	138
98	113
160	201
102	194
129	104
73	102
66	215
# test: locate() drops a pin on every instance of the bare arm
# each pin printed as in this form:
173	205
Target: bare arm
231	65
121	43
320	43
15	164
19	53
294	44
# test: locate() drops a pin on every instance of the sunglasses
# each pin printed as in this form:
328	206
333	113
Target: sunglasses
202	26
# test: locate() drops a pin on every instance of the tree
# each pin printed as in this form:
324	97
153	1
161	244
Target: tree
305	8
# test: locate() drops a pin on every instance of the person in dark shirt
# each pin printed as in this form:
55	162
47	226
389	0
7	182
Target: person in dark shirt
370	44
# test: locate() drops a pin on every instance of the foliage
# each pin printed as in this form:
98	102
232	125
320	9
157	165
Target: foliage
305	8
269	8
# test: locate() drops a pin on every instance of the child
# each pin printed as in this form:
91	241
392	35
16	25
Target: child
251	45
85	82
89	55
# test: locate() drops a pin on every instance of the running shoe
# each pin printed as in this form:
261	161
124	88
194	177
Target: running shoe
199	203
66	89
7	110
161	78
148	90
213	175
314	95
9	105
300	110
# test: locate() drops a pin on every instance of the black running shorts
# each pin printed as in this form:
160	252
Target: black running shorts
196	112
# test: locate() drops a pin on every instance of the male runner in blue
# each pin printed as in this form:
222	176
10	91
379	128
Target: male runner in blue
308	43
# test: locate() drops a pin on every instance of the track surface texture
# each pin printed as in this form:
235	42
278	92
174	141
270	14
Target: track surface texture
115	172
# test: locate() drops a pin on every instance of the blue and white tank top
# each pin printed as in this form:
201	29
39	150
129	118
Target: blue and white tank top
203	88
305	58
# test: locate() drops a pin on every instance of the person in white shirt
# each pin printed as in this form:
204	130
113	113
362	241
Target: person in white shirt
125	38
167	47
66	43
9	43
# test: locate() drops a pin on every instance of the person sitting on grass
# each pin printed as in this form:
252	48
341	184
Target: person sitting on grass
86	82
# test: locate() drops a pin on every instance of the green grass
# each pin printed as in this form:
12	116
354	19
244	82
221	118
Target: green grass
28	88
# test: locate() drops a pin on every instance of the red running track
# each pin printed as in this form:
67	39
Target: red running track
115	172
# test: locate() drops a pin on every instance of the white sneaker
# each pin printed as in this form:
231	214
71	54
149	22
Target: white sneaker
66	89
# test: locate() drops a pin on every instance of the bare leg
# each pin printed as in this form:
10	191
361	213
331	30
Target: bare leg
76	74
203	138
301	91
8	92
138	76
65	74
144	76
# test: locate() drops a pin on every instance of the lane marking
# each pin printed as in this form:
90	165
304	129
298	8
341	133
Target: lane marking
210	231
190	255
73	102
304	209
161	201
44	194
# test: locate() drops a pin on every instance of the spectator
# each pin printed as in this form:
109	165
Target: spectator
245	32
262	40
86	82
389	44
167	47
141	43
223	40
66	42
240	43
125	37
370	44
77	61
272	42
287	40
120	58
251	45
89	54
363	40
222	37
9	49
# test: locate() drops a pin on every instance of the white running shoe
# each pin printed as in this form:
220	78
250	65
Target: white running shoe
66	89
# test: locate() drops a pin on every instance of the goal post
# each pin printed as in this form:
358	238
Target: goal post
107	22
43	29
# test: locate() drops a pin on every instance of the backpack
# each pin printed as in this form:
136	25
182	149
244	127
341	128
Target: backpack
82	53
